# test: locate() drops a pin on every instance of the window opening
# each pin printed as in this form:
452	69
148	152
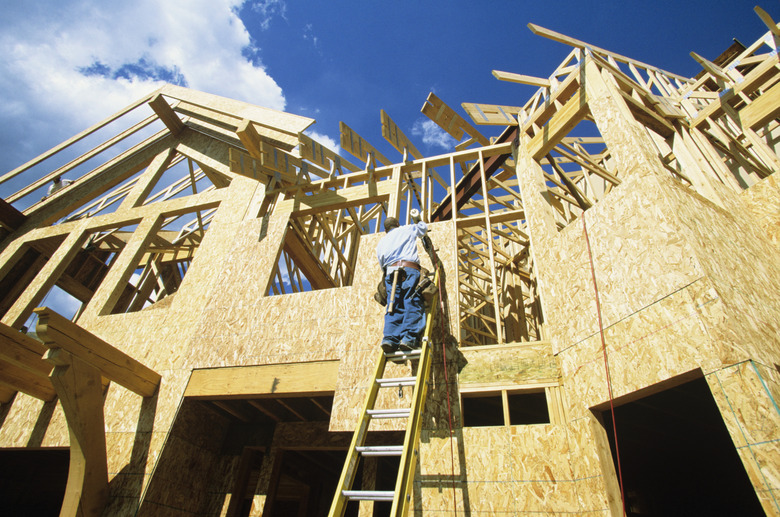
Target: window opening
677	456
499	408
165	261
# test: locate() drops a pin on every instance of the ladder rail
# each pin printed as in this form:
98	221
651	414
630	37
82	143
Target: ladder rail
401	496
411	447
358	439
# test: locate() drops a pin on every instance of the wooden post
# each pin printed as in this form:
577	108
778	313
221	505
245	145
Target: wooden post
79	389
489	230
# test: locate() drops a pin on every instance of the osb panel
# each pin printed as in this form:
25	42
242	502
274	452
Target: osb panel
592	496
761	463
497	470
639	256
308	434
510	364
662	341
750	413
183	493
488	456
753	420
442	410
132	454
743	267
539	453
763	200
583	459
441	458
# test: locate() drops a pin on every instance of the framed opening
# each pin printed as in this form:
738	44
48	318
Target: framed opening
677	457
497	408
32	481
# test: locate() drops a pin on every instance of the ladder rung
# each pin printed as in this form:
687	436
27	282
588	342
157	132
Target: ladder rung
400	354
397	381
389	413
381	450
368	495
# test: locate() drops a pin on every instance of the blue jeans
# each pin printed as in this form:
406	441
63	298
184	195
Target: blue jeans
406	322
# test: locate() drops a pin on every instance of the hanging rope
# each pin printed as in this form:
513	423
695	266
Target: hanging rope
606	362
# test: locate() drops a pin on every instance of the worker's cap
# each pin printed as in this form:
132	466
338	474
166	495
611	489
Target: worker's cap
390	223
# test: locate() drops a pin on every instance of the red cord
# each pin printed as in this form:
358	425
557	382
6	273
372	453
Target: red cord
606	363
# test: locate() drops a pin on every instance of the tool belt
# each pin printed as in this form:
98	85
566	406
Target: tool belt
406	263
425	286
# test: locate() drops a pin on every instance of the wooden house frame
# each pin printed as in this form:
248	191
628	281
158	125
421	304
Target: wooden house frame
618	241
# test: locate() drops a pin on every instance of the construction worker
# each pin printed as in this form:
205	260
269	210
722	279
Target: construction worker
57	184
398	258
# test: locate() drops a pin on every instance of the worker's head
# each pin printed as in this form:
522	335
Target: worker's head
56	179
390	223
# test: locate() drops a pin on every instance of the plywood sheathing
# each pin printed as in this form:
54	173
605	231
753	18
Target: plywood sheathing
763	201
514	364
136	428
747	396
646	259
504	470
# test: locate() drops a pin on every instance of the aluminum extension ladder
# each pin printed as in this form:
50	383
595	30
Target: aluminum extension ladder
409	451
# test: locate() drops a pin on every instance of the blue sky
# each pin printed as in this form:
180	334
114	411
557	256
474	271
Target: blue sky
66	64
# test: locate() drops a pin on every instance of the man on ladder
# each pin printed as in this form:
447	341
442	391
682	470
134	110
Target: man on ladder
398	258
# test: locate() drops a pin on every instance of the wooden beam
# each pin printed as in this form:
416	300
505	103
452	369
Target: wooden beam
521	79
470	183
273	124
301	379
331	200
250	138
762	110
6	393
10	217
491	114
359	147
564	120
23	351
31	383
768	21
566	40
306	261
396	137
447	119
166	114
58	332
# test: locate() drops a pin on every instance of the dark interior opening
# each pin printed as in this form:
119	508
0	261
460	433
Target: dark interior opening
528	408
32	481
307	482
486	409
677	457
482	410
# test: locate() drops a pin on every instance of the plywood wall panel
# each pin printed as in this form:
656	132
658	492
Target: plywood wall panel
752	417
521	363
743	268
763	201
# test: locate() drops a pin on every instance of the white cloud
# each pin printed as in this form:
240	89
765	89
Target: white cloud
431	134
269	8
308	35
324	140
65	65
